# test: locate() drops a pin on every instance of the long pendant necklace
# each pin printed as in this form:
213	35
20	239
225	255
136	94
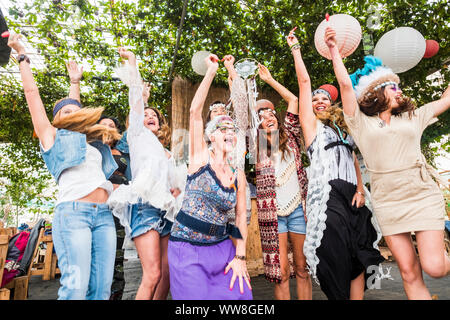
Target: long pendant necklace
381	123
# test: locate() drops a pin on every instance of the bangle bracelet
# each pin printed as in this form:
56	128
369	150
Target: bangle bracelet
239	257
74	82
295	46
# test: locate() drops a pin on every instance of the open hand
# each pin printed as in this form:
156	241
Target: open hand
14	43
264	73
239	271
75	72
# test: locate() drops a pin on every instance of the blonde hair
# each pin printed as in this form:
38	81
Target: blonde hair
85	121
331	115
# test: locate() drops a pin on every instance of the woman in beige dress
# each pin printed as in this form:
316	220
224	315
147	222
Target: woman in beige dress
387	128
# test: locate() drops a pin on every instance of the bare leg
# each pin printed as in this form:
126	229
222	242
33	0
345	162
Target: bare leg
162	289
147	246
404	253
432	253
282	289
303	280
357	288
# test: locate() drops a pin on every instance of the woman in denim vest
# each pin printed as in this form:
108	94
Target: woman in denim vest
83	227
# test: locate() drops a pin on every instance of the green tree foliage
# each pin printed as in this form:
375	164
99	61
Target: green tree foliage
77	29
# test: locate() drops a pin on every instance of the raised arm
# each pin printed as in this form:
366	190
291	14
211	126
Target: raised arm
288	96
75	74
307	116
229	65
443	104
348	96
42	126
133	81
198	152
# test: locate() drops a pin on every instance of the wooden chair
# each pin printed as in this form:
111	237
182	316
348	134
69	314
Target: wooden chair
47	269
20	284
4	240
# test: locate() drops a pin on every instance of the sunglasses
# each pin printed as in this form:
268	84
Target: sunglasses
395	87
224	129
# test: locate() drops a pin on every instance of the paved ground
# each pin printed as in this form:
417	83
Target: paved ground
262	289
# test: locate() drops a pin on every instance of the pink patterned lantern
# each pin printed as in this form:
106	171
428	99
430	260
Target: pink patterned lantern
348	35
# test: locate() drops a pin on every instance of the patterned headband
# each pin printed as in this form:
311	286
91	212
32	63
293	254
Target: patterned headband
325	92
216	105
384	84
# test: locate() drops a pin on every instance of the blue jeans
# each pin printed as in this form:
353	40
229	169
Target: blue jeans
84	236
295	222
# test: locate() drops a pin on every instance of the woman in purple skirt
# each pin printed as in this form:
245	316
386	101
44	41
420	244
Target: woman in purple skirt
203	263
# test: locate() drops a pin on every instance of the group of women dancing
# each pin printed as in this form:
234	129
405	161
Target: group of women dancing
311	202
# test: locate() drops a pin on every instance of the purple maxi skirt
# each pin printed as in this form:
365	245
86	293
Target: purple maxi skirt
197	272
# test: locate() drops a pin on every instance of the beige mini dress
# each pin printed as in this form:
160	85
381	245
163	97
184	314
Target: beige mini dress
405	198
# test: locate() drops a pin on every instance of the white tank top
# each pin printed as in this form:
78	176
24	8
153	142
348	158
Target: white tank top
79	181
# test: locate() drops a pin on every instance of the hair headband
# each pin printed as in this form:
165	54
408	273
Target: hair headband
325	92
65	102
215	123
384	84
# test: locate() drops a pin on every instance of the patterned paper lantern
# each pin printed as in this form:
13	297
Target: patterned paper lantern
401	49
348	35
198	62
332	90
431	48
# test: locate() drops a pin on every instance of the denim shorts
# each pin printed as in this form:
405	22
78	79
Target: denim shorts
295	222
145	217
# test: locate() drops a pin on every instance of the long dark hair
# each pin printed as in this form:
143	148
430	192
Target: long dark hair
281	142
377	102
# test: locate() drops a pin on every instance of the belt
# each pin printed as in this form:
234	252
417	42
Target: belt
424	167
338	143
207	228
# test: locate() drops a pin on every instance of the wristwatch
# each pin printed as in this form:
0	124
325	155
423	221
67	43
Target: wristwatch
23	57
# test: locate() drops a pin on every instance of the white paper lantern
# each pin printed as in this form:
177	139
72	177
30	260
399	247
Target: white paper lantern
401	49
198	62
348	35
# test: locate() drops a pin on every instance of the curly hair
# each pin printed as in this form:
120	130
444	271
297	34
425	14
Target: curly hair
85	121
333	115
164	133
376	102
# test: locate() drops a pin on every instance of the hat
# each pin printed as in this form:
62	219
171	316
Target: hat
372	77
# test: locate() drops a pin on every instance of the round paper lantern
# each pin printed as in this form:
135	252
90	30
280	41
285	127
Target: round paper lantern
431	48
332	90
401	49
348	35
198	62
